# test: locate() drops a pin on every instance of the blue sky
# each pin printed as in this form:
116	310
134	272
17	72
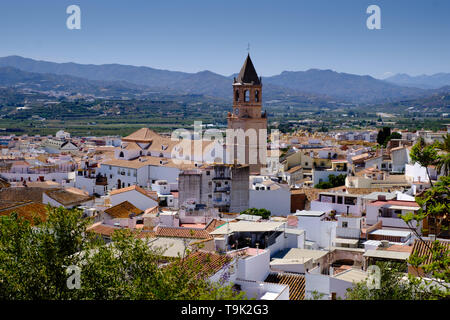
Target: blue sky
198	35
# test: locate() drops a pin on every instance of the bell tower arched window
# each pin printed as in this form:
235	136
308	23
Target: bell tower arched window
236	95
256	95
246	96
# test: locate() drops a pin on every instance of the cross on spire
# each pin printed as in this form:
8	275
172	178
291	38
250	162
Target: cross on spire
248	47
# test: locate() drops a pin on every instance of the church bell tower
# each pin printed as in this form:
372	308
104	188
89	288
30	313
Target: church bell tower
246	114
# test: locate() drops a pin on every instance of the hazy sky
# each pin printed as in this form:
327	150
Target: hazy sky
196	35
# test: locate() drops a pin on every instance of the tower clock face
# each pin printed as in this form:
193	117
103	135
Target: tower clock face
236	111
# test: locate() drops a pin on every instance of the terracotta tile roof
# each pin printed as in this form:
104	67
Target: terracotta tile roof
396	203
68	196
421	248
208	263
190	233
294	169
150	161
102	229
133	164
133	146
295	282
132	188
142	135
123	210
146	234
25	209
399	248
214	224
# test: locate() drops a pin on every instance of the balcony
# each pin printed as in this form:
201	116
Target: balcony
221	177
222	189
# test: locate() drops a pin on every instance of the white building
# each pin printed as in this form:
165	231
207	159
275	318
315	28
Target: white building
390	212
270	195
317	228
135	195
339	202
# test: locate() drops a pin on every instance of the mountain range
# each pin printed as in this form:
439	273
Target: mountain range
313	84
434	81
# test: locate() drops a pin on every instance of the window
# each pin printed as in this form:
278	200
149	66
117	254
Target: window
121	154
236	95
246	96
344	224
208	173
350	201
339	200
256	95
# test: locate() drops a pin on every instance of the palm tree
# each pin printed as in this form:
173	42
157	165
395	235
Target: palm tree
443	158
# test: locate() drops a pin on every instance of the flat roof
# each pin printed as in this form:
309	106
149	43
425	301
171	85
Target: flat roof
385	254
248	217
247	226
283	261
269	296
394	233
402	208
352	275
294	231
172	247
374	195
347	241
297	253
309	213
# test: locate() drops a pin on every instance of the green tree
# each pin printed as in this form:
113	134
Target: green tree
34	260
264	213
394	135
333	182
434	203
393	286
383	135
425	155
443	157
